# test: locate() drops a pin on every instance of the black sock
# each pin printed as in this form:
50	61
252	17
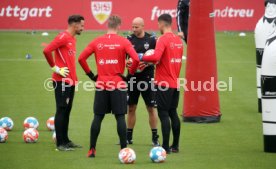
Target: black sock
129	134
95	130
175	127
154	133
121	129
166	128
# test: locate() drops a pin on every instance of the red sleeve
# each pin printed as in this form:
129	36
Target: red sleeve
132	53
59	41
84	56
158	52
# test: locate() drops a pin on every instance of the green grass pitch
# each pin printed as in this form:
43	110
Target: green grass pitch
234	143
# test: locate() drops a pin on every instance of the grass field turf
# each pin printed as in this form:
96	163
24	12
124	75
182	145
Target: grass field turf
234	143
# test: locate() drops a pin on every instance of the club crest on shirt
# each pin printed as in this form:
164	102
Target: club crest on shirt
71	52
101	10
146	45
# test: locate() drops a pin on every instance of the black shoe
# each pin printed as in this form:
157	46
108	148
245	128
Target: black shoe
73	145
91	153
64	148
129	141
168	151
155	141
174	149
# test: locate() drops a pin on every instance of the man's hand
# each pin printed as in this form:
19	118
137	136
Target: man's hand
129	63
142	66
181	35
125	78
92	76
63	71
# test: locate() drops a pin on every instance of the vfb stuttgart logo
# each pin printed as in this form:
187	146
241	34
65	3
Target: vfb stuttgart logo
101	10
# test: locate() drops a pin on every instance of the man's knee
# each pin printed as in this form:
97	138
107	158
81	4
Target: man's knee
151	110
132	109
120	116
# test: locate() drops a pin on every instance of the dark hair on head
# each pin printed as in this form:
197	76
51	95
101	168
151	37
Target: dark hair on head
114	21
75	19
270	1
165	18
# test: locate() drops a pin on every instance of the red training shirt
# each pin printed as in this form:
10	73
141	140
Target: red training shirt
110	54
168	51
64	46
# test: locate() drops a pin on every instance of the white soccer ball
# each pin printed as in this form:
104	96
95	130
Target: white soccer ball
3	135
6	123
127	156
30	122
51	123
158	154
30	135
149	52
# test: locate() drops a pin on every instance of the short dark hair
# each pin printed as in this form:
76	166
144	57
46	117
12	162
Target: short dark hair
114	21
75	19
270	1
165	18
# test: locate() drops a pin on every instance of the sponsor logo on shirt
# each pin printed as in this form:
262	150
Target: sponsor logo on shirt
100	46
177	45
101	61
112	46
108	62
176	60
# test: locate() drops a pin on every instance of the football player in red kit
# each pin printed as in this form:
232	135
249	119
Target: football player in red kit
111	95
168	51
64	78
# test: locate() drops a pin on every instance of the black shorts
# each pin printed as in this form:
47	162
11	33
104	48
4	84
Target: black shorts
64	94
110	101
167	99
142	86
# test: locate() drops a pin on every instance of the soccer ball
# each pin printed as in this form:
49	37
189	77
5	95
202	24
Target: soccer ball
6	123
158	154
127	156
51	123
149	52
3	135
30	122
54	137
30	135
